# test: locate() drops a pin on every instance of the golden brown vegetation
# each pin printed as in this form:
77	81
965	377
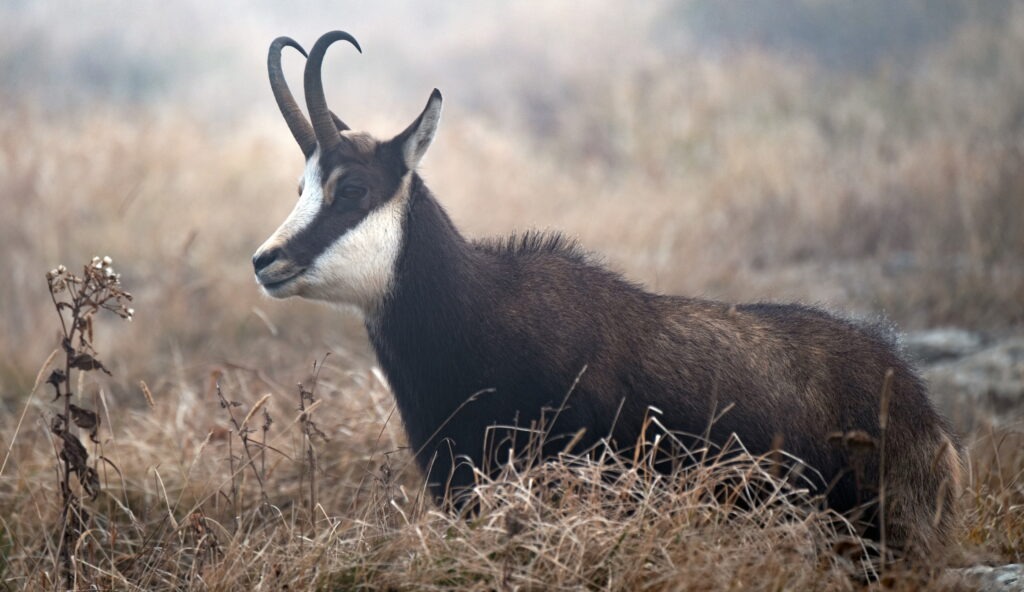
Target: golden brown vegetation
744	177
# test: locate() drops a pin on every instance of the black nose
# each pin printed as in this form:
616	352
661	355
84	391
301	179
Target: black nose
262	260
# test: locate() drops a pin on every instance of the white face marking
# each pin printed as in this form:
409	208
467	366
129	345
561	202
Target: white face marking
358	268
305	209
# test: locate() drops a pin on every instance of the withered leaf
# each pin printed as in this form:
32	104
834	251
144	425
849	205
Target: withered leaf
84	418
74	452
57	424
78	462
86	362
56	377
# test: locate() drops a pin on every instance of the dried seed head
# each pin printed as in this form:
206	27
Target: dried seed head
56	273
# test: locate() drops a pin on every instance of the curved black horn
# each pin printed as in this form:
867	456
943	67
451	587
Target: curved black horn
301	130
323	124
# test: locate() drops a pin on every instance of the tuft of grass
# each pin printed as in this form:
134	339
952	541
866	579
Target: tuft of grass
192	502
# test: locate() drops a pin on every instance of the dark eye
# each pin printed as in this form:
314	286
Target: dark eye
350	192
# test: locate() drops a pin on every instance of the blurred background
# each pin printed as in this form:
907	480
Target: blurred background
862	156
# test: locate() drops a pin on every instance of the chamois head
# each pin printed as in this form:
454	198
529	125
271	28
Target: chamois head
341	241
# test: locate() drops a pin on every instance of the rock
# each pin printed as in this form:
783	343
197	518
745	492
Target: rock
936	345
1003	578
988	384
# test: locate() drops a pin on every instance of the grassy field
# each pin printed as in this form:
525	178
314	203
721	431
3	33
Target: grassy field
744	175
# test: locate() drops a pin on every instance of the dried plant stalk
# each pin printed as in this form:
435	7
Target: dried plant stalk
77	299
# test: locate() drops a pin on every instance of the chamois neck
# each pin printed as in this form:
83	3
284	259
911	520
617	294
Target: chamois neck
429	320
435	265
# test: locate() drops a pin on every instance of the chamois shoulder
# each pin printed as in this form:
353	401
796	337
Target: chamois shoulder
546	263
534	242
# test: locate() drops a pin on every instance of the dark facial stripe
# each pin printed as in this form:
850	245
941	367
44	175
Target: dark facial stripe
367	165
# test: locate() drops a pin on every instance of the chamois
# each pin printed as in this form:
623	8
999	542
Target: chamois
478	336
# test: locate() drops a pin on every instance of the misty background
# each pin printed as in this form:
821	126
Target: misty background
530	57
861	156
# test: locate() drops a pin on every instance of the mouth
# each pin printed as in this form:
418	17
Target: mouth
277	284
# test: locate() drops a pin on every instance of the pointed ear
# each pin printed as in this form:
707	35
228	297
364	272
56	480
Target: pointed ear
412	143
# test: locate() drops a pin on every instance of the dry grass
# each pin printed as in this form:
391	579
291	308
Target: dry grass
744	177
185	508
